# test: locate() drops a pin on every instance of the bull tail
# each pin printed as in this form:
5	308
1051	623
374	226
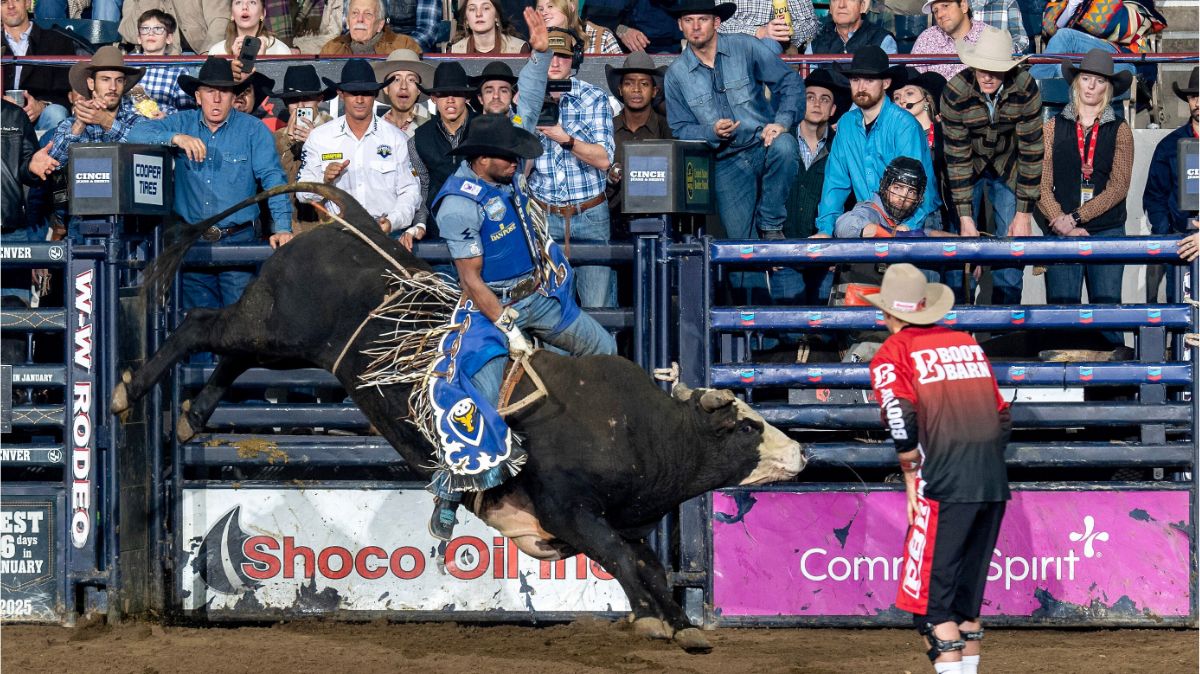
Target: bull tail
179	239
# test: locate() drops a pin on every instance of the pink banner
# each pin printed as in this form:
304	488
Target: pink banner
1061	554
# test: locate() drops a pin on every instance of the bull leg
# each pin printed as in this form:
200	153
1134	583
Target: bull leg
194	334
634	565
197	411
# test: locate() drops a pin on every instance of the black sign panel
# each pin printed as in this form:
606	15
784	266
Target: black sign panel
6	399
30	558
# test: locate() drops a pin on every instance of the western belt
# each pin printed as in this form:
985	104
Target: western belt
214	234
569	210
522	289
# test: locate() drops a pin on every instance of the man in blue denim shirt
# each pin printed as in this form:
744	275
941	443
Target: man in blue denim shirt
229	156
715	94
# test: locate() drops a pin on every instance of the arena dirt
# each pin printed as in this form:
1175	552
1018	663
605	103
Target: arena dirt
583	647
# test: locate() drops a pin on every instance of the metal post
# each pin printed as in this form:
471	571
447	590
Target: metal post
108	357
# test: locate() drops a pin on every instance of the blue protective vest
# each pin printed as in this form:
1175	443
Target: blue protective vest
506	242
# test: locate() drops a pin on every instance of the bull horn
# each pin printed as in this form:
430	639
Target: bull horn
680	391
715	399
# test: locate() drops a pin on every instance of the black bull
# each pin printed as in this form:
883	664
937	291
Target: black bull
609	453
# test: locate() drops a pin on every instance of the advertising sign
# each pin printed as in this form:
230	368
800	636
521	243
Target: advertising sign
147	179
317	551
29	558
1061	554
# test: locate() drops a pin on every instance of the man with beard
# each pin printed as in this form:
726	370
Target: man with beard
496	89
363	155
500	257
1161	198
368	32
715	94
102	112
227	157
636	84
869	137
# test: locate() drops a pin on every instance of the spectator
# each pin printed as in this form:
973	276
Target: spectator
992	121
757	18
756	157
1005	15
482	29
919	93
368	32
250	101
1085	178
103	113
364	157
45	87
435	139
417	19
897	199
951	22
156	37
402	75
246	19
569	177
302	88
102	10
564	14
278	19
640	25
869	137
826	97
636	84
24	164
201	22
227	157
847	31
1161	197
1071	41
497	87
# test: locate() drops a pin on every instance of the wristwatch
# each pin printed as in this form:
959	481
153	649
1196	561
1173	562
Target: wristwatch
569	144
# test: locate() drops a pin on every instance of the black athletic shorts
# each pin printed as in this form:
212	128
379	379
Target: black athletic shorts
946	556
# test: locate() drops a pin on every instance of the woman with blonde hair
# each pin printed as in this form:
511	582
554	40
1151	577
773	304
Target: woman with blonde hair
564	14
246	19
482	29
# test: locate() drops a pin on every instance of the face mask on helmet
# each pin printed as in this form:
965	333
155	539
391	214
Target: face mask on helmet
902	173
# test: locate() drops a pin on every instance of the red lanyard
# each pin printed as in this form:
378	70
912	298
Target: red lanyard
1085	158
929	136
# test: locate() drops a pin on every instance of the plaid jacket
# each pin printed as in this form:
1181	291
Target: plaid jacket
1007	142
162	84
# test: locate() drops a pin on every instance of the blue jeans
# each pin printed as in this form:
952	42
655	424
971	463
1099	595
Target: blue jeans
1007	282
752	187
102	10
1031	18
1071	41
595	285
52	115
217	289
537	315
1064	283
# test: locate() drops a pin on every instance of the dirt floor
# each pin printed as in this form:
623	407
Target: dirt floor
582	647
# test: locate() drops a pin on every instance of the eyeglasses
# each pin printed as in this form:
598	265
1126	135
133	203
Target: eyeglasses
152	30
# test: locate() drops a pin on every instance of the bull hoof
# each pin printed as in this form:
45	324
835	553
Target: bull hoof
692	640
120	395
652	628
184	430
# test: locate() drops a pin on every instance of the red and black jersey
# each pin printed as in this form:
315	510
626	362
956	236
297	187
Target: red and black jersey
937	393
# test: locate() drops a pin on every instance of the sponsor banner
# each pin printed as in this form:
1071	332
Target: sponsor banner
646	177
1060	555
93	177
28	559
256	551
147	179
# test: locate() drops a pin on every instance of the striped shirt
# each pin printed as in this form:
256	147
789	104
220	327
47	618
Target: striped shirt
1001	137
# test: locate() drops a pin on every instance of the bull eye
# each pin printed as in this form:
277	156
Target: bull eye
747	427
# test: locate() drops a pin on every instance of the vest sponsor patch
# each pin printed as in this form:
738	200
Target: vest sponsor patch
331	156
495	209
384	151
470	188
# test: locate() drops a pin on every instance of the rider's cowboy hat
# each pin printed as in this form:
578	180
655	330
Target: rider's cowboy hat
1098	62
906	295
105	58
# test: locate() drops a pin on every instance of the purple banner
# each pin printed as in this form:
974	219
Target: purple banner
1060	555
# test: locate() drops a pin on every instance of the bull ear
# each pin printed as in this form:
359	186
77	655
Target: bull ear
715	399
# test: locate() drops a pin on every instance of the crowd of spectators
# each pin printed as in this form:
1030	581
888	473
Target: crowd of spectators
831	154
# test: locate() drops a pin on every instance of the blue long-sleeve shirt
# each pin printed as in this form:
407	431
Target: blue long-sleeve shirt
698	96
857	161
1161	198
241	156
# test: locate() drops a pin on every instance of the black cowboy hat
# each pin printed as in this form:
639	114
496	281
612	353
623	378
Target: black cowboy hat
216	73
835	83
449	80
1192	88
871	62
930	81
1098	62
358	77
637	62
496	70
497	136
262	85
302	82
722	11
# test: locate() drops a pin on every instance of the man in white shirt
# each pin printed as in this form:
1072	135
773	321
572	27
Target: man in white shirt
364	156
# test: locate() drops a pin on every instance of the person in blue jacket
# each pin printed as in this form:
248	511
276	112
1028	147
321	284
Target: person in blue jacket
1161	197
